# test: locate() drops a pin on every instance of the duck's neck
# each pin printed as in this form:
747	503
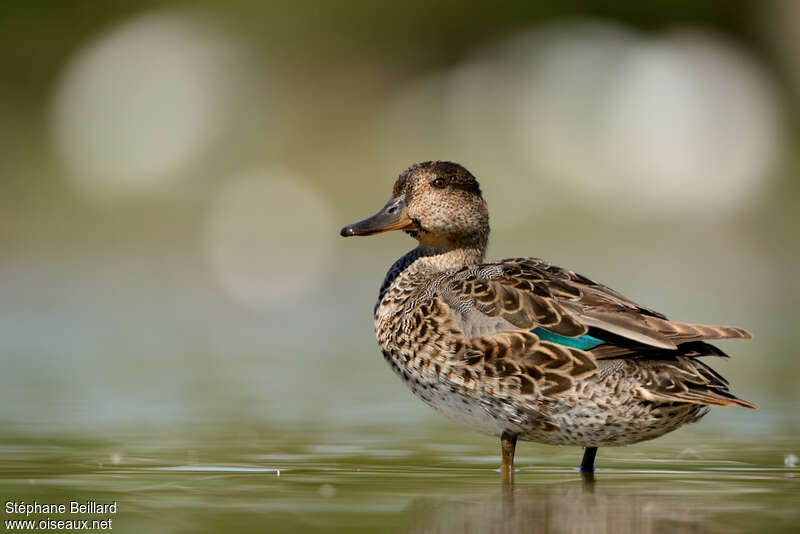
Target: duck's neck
433	259
425	261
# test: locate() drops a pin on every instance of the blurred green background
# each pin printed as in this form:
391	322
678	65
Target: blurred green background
173	177
183	330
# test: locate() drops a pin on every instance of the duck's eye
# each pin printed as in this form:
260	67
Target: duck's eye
439	183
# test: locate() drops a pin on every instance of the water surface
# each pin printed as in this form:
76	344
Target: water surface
396	479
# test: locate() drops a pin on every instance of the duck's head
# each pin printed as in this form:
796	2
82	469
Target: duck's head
438	203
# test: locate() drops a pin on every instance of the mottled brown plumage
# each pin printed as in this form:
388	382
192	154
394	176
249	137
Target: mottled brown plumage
521	348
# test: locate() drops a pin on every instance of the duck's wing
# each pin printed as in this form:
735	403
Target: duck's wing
526	294
541	327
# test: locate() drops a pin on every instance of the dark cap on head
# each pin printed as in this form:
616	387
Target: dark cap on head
454	175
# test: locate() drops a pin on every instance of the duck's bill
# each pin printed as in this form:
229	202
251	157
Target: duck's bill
393	216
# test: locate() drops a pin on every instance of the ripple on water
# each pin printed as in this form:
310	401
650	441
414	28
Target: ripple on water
228	483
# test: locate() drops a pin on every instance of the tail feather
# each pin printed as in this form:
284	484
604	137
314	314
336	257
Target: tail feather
708	397
687	380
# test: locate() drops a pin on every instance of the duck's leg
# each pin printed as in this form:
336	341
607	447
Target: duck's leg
508	443
587	464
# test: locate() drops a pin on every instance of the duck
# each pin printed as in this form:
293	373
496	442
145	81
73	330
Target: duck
522	349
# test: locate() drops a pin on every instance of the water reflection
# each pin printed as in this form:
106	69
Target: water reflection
587	508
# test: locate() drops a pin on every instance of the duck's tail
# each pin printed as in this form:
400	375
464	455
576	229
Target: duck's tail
684	378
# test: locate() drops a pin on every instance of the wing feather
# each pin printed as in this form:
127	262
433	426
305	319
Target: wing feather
497	305
528	293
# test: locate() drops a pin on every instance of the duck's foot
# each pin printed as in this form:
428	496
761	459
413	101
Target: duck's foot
508	443
587	464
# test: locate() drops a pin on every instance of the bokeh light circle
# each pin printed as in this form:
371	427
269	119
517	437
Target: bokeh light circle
142	100
683	123
269	240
